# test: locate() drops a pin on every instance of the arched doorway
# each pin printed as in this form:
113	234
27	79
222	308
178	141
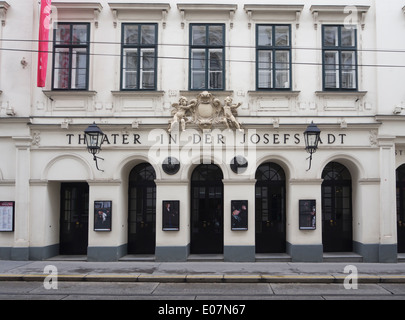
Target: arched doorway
337	225
207	232
270	209
142	210
401	208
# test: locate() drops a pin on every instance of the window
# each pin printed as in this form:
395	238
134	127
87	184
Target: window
71	56
139	56
339	58
207	57
273	61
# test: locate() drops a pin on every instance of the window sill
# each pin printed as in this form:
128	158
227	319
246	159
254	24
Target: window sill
340	94
138	93
67	93
271	93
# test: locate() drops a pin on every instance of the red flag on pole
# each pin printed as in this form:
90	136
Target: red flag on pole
44	27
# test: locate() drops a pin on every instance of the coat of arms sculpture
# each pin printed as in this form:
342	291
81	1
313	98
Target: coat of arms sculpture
204	111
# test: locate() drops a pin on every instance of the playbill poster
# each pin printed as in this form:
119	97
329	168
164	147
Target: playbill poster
7	216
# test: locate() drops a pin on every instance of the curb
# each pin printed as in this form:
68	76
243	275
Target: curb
206	278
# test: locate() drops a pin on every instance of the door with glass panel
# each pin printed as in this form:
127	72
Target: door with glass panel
74	218
207	210
270	209
337	209
401	208
142	210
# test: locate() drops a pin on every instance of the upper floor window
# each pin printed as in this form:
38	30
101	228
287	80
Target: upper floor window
207	57
139	56
71	56
339	45
273	57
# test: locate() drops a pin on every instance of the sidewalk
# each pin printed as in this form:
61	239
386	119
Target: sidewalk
193	272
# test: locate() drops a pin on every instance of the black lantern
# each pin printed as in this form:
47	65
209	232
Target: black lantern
312	137
94	139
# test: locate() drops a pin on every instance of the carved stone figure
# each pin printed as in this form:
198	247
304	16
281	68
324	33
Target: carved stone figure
230	112
204	111
179	112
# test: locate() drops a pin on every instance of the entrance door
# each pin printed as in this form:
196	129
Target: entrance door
270	209
207	235
401	208
337	233
74	218
142	210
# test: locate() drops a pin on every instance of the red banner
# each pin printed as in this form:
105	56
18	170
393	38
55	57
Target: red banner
44	27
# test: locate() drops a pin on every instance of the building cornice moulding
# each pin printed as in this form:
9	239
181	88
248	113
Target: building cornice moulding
144	9
3	10
191	8
73	9
255	11
338	10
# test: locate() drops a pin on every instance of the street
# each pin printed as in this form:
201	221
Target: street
66	290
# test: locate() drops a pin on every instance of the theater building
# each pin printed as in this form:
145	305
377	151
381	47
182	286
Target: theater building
203	109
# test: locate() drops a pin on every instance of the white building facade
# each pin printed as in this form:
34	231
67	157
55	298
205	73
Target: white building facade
130	66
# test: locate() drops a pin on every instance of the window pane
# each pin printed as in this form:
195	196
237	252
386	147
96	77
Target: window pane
265	36
79	69
330	36
148	34
147	68
61	72
282	36
348	70
198	59
215	68
331	60
198	69
265	59
131	34
63	34
215	59
265	79
216	35
130	68
79	34
197	79
348	37
282	67
199	35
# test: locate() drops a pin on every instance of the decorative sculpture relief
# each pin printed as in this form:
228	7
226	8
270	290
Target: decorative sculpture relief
204	111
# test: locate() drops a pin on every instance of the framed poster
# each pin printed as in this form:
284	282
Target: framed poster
7	216
307	214
102	215
171	215
239	215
